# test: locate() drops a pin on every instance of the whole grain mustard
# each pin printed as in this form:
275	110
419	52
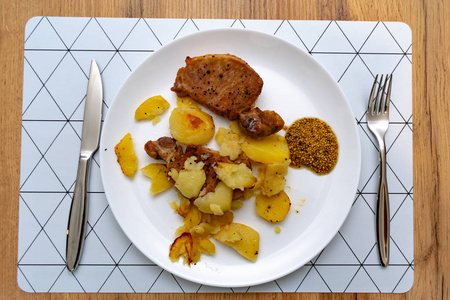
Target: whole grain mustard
312	144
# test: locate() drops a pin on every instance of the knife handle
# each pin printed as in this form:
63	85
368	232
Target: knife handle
78	215
383	216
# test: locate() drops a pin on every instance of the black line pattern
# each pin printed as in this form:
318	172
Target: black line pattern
47	182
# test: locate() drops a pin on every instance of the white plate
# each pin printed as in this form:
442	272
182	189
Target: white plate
295	86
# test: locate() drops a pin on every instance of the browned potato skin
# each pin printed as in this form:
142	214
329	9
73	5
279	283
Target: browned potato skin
191	126
273	209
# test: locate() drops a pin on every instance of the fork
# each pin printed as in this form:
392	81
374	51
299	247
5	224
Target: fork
378	123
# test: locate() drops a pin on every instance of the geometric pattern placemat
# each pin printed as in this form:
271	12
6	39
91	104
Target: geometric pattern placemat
57	54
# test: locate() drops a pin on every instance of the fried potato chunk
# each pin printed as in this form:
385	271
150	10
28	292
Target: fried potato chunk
242	238
158	175
191	126
150	108
235	176
126	157
274	181
268	150
273	209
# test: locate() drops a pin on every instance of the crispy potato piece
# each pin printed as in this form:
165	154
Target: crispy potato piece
183	246
273	209
158	175
274	181
242	238
126	156
151	108
191	126
268	150
235	176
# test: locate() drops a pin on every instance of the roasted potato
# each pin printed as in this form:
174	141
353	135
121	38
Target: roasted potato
273	209
274	181
150	108
191	179
126	156
230	141
242	238
191	126
235	176
216	202
268	150
158	175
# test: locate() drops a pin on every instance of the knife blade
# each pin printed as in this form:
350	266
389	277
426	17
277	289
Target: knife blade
90	138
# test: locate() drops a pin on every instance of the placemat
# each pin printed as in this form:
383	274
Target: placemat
57	54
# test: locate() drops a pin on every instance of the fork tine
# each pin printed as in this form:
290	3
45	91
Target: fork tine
388	96
372	93
379	97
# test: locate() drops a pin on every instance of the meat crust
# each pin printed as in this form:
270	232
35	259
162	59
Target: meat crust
224	83
257	123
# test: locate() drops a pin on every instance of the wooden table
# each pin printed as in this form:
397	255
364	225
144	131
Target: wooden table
431	136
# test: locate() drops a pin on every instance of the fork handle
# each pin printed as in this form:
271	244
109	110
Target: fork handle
383	216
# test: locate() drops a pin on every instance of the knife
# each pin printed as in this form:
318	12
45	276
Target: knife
89	144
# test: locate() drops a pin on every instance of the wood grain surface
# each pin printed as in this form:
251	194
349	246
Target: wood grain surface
429	21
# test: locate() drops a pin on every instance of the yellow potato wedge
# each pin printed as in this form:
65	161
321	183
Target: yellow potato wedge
191	126
242	238
126	157
268	150
158	175
273	209
150	108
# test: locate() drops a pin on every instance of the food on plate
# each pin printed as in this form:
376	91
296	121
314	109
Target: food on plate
189	180
216	202
240	237
268	150
235	176
274	178
126	156
151	108
196	231
313	145
169	150
190	248
273	208
230	141
259	123
158	175
228	86
191	126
